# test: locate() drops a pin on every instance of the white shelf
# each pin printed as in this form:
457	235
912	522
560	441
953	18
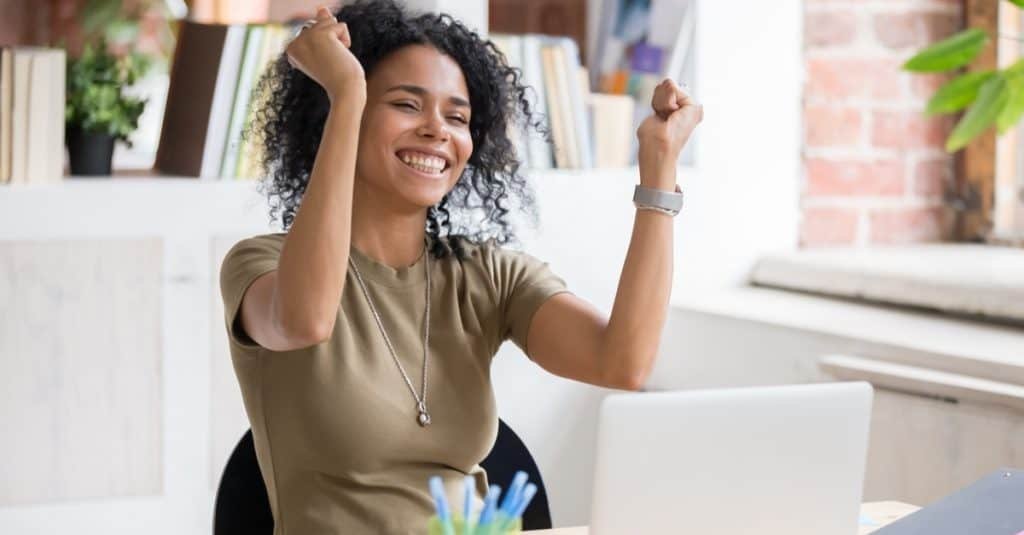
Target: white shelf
140	202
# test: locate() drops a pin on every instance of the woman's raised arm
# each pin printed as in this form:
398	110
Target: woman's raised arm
296	306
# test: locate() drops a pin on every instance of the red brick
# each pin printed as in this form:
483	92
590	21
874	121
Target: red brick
832	126
828	178
16	24
832	78
931	177
828	226
923	86
829	28
904	29
907	225
909	129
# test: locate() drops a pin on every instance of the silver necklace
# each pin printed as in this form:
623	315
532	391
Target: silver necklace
421	400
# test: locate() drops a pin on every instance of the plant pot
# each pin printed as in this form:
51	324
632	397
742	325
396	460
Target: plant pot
90	152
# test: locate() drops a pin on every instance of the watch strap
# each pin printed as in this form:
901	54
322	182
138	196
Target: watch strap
665	201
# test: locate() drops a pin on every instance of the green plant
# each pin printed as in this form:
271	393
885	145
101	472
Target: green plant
990	97
95	91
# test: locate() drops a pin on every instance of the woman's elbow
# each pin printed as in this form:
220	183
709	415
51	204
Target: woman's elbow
631	377
634	381
306	333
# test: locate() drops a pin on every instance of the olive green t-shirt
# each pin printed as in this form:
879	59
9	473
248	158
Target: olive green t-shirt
335	425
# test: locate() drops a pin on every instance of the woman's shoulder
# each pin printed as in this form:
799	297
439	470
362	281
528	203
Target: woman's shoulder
258	246
497	259
272	240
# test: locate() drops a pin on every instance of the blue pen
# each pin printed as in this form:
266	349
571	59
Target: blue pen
512	495
515	488
487	513
441	503
467	505
528	493
522	501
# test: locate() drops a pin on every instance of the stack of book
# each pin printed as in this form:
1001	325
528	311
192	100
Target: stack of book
637	44
559	93
32	114
209	101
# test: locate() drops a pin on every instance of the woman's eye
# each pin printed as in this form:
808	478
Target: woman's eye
405	105
459	119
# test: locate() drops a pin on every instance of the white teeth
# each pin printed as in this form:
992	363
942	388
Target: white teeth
427	164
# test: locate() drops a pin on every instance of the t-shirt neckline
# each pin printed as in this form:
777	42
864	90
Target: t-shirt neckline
380	273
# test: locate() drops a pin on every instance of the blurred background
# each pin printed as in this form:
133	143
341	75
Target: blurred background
848	216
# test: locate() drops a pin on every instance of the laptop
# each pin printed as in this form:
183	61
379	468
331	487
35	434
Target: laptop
761	460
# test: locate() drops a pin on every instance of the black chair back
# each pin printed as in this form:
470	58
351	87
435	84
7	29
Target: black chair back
243	508
508	455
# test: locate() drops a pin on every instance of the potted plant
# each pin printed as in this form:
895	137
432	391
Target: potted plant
98	113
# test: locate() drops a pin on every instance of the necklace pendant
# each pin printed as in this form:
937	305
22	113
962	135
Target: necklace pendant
424	418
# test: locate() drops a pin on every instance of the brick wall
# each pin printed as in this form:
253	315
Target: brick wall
874	167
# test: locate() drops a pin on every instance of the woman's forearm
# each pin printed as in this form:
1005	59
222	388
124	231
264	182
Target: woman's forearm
314	258
641	301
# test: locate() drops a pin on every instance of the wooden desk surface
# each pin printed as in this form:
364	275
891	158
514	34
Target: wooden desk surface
881	513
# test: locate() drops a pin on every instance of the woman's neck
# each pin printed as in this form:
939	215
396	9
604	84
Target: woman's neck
393	239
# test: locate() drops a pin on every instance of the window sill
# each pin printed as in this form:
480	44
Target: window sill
960	279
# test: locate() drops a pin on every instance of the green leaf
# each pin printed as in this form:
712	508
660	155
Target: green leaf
95	98
1016	70
99	13
1018	3
957	94
951	53
991	101
1014	106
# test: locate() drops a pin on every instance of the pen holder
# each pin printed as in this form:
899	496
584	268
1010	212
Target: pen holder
434	527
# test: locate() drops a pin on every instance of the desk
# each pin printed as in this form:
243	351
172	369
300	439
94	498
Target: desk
880	512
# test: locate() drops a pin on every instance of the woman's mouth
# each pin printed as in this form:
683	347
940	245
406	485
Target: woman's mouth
427	164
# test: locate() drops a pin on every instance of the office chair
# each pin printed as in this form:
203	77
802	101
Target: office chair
243	508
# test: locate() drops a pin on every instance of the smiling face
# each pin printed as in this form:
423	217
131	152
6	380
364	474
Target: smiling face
414	140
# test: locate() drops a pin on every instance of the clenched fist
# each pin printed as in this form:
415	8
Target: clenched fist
663	134
321	51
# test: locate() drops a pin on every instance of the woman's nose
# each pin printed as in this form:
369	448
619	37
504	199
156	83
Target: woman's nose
433	127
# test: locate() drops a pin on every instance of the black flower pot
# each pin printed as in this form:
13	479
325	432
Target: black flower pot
90	152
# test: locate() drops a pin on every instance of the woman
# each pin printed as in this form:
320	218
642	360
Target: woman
362	338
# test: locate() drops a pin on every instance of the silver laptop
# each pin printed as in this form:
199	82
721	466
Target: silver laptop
763	460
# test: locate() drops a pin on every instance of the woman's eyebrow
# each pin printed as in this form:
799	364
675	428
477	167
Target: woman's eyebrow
422	92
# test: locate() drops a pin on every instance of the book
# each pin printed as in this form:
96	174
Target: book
578	93
22	66
223	97
204	72
565	105
612	140
246	78
6	95
511	47
58	92
555	107
541	156
638	44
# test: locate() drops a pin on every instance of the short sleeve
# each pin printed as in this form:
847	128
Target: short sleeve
523	283
244	263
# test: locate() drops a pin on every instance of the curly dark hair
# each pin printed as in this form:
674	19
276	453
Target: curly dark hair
292	108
